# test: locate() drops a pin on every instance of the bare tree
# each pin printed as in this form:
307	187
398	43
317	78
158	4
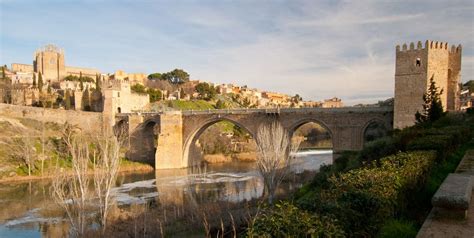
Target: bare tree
72	193
275	152
106	166
98	156
23	147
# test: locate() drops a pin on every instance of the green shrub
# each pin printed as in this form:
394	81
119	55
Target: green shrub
362	199
397	229
287	220
440	143
377	149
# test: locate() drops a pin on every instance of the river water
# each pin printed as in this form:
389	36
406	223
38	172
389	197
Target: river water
27	209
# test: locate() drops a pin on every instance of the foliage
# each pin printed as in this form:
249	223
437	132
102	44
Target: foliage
86	100
34	80
220	104
205	91
98	82
287	220
138	88
67	100
432	107
190	105
176	76
398	229
40	82
378	148
155	76
155	94
77	79
362	199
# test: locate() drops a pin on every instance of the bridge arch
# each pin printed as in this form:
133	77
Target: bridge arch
292	129
196	133
143	142
379	128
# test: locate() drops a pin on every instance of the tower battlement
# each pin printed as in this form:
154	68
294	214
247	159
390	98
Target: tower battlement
429	45
414	68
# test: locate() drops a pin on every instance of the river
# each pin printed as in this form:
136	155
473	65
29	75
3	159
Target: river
27	209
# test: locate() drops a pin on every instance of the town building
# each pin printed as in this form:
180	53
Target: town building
332	103
133	78
466	99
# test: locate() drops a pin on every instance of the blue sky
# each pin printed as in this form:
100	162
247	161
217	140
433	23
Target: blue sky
318	49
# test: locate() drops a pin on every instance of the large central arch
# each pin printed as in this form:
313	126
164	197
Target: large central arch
294	127
194	136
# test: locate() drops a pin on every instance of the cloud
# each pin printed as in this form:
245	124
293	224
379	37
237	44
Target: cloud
318	49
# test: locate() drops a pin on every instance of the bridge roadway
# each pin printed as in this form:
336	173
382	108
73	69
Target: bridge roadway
169	136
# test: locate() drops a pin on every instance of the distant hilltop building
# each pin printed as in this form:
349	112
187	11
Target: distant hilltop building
134	78
332	103
50	62
414	68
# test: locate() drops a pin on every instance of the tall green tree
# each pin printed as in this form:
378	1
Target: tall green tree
34	80
49	90
97	82
81	82
432	106
3	73
40	82
67	100
86	100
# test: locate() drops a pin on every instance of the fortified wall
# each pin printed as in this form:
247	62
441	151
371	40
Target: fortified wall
88	121
413	70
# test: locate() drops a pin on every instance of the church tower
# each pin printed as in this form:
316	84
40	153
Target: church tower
414	67
49	60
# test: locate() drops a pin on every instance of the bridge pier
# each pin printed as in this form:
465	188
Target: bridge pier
169	149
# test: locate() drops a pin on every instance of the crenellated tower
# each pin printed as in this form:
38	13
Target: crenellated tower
414	67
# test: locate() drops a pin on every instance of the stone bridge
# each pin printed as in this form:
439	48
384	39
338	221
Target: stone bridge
169	137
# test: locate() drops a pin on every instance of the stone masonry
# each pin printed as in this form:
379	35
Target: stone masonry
413	70
171	136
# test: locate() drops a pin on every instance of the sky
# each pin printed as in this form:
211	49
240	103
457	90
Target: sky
317	49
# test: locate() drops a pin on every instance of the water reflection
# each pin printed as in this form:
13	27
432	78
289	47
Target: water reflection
27	210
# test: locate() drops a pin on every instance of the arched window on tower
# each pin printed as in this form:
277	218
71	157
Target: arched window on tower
418	62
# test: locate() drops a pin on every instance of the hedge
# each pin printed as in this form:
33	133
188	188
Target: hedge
287	220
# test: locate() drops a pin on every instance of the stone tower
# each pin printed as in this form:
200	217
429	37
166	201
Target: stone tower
414	68
49	60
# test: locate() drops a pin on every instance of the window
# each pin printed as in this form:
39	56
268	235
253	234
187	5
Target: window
118	94
418	62
119	110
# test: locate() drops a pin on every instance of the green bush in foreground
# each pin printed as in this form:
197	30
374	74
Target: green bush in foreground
397	229
287	220
363	199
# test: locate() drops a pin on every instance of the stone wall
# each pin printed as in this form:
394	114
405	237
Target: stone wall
89	121
22	68
413	70
76	71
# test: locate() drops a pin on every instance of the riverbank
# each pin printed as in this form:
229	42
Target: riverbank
125	167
